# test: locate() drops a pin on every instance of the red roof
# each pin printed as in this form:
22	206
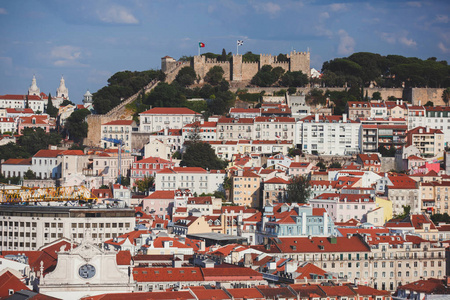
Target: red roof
166	295
20	97
316	245
48	153
277	180
72	152
18	161
123	258
120	122
161	195
169	111
204	294
245	293
10	282
167	274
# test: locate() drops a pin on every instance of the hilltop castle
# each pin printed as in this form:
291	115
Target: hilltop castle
238	70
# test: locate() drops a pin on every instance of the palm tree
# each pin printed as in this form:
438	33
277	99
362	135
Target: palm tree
446	95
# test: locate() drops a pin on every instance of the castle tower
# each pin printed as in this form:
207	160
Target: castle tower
33	89
62	91
199	66
87	98
236	67
300	61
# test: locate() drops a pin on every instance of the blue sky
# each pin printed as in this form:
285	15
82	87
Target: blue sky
88	41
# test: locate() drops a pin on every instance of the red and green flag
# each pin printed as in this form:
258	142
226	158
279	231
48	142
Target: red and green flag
201	45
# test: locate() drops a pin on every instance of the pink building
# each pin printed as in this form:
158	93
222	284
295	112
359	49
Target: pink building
148	167
159	203
299	168
35	121
343	207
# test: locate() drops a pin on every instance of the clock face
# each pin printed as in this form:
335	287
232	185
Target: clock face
86	271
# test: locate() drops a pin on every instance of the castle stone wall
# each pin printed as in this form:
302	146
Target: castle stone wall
249	69
426	94
385	92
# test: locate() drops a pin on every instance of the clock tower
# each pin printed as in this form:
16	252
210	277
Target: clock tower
86	270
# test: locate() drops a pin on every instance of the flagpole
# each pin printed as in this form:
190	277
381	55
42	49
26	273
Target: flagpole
237	48
198	48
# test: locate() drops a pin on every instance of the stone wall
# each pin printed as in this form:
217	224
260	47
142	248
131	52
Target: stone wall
139	139
238	70
387	164
426	94
385	92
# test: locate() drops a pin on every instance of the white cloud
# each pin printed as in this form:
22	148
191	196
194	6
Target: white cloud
346	43
442	47
414	4
407	42
117	14
388	37
338	7
268	7
320	26
324	15
66	52
398	37
98	76
66	56
3	11
442	19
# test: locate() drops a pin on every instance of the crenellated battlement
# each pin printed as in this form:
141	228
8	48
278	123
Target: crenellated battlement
238	70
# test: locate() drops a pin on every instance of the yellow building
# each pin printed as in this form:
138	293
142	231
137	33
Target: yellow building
387	207
246	189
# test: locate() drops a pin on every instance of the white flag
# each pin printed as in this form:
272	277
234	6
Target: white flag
240	42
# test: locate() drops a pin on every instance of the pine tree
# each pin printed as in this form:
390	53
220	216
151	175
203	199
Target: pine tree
51	110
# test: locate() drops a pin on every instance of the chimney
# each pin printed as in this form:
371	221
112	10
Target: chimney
420	103
344	118
401	101
166	131
316	118
428	129
396	101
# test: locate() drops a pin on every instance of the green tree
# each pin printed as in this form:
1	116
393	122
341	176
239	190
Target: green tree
429	103
223	57
446	95
121	86
376	96
214	75
406	211
67	102
321	165
198	154
335	165
294	79
267	76
35	139
165	95
250	57
186	76
12	150
124	180
29	174
143	185
27	103
76	125
298	190
51	110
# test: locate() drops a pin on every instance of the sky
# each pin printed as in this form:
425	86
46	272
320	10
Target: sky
88	41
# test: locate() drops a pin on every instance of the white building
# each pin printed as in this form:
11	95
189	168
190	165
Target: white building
343	207
159	118
333	135
31	227
16	167
438	117
197	180
205	130
45	164
119	130
274	128
33	89
7	125
226	149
